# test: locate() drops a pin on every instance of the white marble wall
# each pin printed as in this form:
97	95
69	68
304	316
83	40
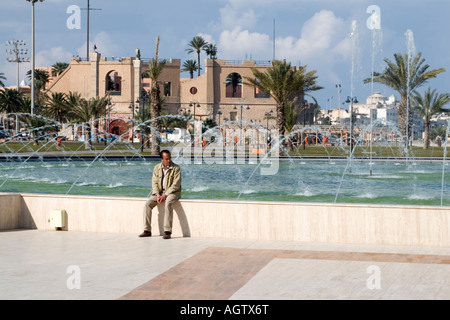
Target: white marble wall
9	211
286	221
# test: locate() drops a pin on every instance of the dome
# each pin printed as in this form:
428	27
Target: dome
376	98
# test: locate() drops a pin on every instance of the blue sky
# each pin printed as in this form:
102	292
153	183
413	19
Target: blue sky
311	32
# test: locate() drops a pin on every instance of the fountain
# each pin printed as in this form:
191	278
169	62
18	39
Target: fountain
226	171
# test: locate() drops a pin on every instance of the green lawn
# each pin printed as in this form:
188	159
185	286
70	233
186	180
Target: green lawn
127	149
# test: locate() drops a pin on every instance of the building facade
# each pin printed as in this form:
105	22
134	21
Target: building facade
220	93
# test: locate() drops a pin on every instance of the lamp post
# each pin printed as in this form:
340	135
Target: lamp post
16	56
268	115
16	52
241	120
138	102
351	100
195	106
132	106
32	54
108	108
338	86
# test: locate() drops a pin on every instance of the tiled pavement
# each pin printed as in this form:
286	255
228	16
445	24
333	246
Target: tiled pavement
96	266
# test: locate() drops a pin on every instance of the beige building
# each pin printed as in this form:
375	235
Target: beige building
218	94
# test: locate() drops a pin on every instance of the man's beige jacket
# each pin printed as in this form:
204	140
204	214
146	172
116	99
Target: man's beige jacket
172	179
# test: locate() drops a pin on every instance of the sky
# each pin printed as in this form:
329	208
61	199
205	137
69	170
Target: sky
328	36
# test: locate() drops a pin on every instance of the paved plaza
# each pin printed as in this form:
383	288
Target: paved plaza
63	265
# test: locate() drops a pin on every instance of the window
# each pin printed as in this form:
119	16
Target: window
113	83
167	89
193	90
233	84
261	94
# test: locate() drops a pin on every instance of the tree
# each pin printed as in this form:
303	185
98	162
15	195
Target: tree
155	68
428	105
56	106
197	44
59	68
2	77
11	101
83	112
211	51
41	78
190	66
438	134
234	80
284	84
405	75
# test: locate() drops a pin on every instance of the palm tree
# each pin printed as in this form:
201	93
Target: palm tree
142	116
197	44
41	78
155	68
211	51
284	84
2	77
56	107
11	101
428	105
59	68
190	66
83	112
233	79
438	134
99	106
405	75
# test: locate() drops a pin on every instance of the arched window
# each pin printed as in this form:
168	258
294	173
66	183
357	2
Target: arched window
233	84
113	83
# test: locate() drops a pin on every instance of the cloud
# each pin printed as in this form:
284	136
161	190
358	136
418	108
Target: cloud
323	39
49	57
323	36
105	46
235	44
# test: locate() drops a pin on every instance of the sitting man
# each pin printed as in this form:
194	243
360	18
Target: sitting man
166	187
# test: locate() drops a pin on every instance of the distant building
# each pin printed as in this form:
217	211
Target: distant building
378	110
220	88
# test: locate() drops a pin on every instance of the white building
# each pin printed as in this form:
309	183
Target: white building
378	110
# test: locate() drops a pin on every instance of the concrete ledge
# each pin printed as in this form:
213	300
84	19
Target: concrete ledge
287	221
9	210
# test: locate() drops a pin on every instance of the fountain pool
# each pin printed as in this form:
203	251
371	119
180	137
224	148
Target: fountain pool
297	180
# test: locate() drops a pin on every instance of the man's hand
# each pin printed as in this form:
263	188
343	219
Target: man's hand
161	198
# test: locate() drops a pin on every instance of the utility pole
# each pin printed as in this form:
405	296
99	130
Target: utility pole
88	9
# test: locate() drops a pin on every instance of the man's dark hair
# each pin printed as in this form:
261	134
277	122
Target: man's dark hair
164	151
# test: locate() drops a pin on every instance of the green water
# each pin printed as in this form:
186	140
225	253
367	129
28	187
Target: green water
391	182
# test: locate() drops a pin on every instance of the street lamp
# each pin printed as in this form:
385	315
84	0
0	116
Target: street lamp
195	106
32	53
132	106
138	101
338	86
268	115
351	100
107	120
242	107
